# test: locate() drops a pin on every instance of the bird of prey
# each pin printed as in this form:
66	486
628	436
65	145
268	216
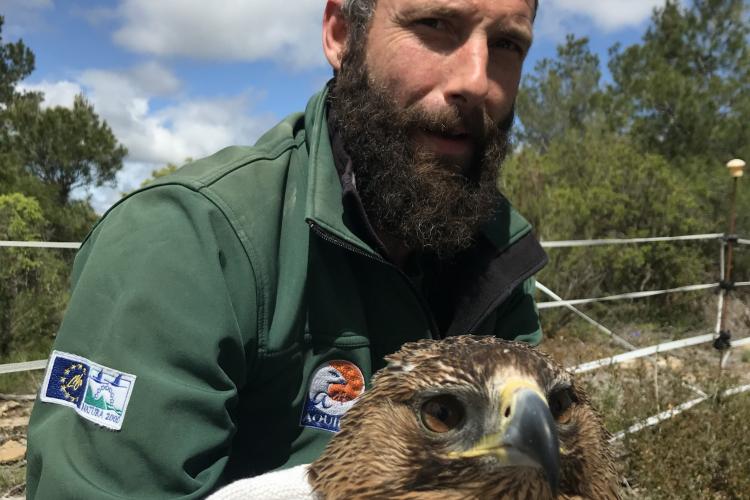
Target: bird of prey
467	417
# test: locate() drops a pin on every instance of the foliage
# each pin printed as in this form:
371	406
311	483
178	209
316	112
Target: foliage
599	185
707	445
642	156
16	63
65	148
162	172
30	280
167	169
683	93
561	96
44	154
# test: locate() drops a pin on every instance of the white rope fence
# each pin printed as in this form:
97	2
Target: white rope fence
635	354
599	326
642	353
648	351
39	244
26	366
624	296
629	241
673	412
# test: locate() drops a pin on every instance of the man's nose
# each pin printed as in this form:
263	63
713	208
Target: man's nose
467	82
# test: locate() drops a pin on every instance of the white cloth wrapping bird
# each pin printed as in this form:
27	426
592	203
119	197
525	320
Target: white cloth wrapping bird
288	484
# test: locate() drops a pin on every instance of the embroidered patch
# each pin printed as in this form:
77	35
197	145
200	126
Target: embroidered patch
97	393
334	387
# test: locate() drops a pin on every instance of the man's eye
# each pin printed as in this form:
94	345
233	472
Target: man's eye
431	22
506	44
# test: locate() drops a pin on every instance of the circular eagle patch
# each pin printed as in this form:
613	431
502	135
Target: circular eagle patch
334	386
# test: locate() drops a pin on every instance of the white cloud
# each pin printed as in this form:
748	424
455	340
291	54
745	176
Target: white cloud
152	78
237	30
185	127
59	93
128	179
557	17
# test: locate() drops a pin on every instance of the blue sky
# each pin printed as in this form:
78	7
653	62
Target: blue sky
183	78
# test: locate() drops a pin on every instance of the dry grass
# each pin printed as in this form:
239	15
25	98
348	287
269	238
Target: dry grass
703	453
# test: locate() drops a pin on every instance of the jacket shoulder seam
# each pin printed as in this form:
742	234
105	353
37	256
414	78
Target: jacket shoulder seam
256	154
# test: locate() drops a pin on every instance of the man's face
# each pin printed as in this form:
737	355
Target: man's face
461	57
424	106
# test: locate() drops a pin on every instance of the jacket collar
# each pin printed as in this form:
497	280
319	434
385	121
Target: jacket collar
324	195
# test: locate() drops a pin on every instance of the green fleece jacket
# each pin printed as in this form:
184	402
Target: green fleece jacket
222	319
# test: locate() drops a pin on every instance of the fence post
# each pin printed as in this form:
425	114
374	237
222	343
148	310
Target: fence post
723	341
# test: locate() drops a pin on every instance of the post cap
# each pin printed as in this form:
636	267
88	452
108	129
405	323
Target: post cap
735	167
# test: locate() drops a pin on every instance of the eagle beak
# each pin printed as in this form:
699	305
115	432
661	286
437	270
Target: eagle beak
532	432
527	435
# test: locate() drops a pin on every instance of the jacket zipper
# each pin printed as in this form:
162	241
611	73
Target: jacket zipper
335	240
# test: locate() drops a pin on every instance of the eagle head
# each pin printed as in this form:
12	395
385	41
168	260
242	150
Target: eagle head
468	417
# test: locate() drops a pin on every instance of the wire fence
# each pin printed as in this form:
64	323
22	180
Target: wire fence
637	353
631	295
633	353
673	412
628	241
40	244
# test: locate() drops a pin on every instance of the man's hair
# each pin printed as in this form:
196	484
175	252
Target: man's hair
359	8
359	13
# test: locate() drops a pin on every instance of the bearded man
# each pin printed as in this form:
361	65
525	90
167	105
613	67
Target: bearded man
224	318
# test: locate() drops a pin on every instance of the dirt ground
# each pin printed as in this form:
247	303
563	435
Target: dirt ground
14	419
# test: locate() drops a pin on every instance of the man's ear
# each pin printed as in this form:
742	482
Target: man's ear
335	29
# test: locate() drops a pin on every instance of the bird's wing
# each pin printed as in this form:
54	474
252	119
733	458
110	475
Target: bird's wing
288	484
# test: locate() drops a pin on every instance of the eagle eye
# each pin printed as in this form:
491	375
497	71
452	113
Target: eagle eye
559	403
442	413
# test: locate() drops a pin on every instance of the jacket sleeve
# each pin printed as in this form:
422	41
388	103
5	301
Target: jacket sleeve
163	290
518	317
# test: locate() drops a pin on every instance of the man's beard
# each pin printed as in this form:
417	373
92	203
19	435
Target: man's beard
426	202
